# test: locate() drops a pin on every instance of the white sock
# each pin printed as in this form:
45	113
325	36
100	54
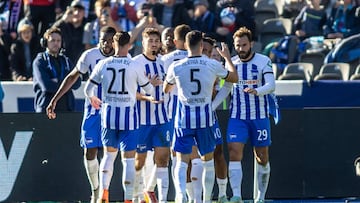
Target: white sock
149	174
151	183
106	169
263	175
222	184
128	177
190	191
92	172
173	164
180	177
137	180
235	177
208	179
196	178
162	174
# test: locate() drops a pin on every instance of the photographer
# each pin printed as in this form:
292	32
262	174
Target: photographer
92	29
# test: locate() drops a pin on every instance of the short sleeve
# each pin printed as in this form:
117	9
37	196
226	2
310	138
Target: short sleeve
170	76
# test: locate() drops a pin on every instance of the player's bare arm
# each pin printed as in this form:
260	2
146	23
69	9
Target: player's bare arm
66	84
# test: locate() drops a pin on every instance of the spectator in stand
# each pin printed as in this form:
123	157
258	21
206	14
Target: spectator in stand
23	52
41	14
205	20
147	20
72	25
124	14
49	70
310	21
92	29
244	12
63	5
344	20
5	43
170	14
11	12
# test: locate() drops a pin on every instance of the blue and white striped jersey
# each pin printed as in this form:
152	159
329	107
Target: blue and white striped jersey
194	78
248	106
168	59
119	78
86	65
151	113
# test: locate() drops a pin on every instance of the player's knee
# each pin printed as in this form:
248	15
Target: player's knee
91	153
262	160
235	154
139	165
162	161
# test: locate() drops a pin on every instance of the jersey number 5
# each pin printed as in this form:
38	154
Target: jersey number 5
111	86
197	81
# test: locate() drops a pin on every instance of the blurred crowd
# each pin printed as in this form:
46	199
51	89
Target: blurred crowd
24	22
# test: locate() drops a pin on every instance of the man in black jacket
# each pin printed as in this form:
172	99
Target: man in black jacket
72	26
170	14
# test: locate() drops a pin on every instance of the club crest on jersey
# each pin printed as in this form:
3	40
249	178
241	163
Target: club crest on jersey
269	64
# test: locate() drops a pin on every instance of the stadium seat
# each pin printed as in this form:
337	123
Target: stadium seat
271	31
287	22
297	71
280	4
356	75
334	71
264	10
316	58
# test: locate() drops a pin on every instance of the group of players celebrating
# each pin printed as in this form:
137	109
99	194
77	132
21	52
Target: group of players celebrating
165	104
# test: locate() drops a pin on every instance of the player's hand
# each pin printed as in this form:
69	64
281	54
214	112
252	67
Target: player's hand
95	102
224	51
153	100
50	110
250	91
155	80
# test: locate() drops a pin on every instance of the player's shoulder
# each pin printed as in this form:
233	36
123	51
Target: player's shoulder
167	56
138	57
262	60
180	61
261	57
235	58
93	52
213	61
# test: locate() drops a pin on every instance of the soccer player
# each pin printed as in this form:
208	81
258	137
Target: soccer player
119	79
221	169
194	77
155	127
249	113
193	185
90	129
